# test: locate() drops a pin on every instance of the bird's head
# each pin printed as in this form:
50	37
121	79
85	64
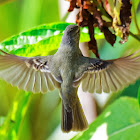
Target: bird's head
71	35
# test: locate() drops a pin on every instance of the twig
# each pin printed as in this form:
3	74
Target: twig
135	36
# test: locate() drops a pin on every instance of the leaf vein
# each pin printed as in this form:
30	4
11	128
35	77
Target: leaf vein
123	129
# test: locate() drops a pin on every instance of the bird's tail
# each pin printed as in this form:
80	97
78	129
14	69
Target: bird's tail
74	119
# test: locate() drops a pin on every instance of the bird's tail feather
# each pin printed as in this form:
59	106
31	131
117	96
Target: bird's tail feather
66	119
75	119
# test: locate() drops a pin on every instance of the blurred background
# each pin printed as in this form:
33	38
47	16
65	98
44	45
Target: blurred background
19	15
42	119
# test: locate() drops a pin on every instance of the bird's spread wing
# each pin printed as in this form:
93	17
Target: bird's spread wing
112	75
29	74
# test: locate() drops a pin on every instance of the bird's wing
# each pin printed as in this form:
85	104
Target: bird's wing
29	74
112	75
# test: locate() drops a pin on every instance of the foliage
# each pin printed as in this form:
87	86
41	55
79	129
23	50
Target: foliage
13	122
120	120
44	37
20	15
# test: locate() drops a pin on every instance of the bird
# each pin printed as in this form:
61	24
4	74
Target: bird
66	70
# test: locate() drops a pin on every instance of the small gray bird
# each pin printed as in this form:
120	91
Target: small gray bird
65	70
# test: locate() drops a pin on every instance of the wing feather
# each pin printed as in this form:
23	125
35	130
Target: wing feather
9	73
109	81
24	79
112	84
98	85
111	75
44	87
104	83
37	83
85	83
125	72
49	82
91	83
54	82
122	78
115	79
30	74
31	82
17	77
6	70
94	78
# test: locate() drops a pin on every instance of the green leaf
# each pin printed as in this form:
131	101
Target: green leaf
120	120
42	40
27	43
13	122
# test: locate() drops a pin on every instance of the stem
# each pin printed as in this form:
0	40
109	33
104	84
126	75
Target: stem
135	36
65	17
